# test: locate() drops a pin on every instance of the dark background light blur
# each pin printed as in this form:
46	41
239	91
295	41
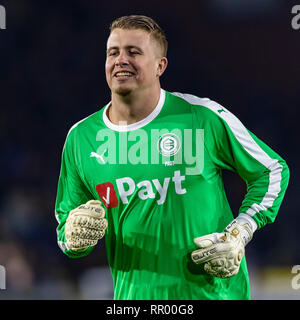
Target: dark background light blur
242	54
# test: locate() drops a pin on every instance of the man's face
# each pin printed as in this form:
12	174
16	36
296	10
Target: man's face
133	61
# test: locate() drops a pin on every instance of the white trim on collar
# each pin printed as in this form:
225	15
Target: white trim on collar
140	123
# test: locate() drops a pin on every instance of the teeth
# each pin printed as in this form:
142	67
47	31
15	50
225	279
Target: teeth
123	74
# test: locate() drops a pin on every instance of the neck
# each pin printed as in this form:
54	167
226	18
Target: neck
132	107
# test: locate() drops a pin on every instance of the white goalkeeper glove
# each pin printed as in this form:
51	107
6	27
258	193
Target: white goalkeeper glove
85	225
222	253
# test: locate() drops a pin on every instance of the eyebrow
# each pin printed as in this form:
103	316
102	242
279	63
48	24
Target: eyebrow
127	47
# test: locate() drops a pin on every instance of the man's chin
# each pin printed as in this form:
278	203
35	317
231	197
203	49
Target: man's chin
122	91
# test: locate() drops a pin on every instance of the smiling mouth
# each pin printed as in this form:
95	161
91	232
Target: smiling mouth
123	74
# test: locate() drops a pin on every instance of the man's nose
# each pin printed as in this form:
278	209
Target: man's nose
122	59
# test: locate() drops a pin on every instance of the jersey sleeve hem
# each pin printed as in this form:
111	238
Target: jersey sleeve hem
74	254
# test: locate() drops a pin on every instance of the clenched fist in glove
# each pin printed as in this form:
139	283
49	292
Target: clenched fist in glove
85	225
222	253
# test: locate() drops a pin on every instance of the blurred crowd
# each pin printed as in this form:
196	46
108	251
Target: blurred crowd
52	75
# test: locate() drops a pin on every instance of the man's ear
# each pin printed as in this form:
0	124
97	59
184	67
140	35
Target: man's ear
161	67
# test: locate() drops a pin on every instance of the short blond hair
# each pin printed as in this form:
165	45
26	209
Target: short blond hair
137	22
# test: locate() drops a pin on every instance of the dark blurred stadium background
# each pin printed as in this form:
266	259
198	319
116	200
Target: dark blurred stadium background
242	54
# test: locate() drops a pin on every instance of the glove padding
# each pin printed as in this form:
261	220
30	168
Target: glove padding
85	225
222	253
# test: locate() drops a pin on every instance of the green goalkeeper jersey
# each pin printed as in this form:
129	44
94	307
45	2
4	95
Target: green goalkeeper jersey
160	182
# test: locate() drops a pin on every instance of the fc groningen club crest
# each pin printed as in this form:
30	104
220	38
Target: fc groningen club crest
168	144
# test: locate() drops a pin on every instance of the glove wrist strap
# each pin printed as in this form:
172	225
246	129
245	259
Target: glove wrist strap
243	231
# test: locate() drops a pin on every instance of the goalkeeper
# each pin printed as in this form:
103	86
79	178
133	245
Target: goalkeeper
145	173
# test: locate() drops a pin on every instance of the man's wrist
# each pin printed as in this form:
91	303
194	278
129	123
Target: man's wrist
243	218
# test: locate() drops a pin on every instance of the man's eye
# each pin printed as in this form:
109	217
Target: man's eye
113	53
134	52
